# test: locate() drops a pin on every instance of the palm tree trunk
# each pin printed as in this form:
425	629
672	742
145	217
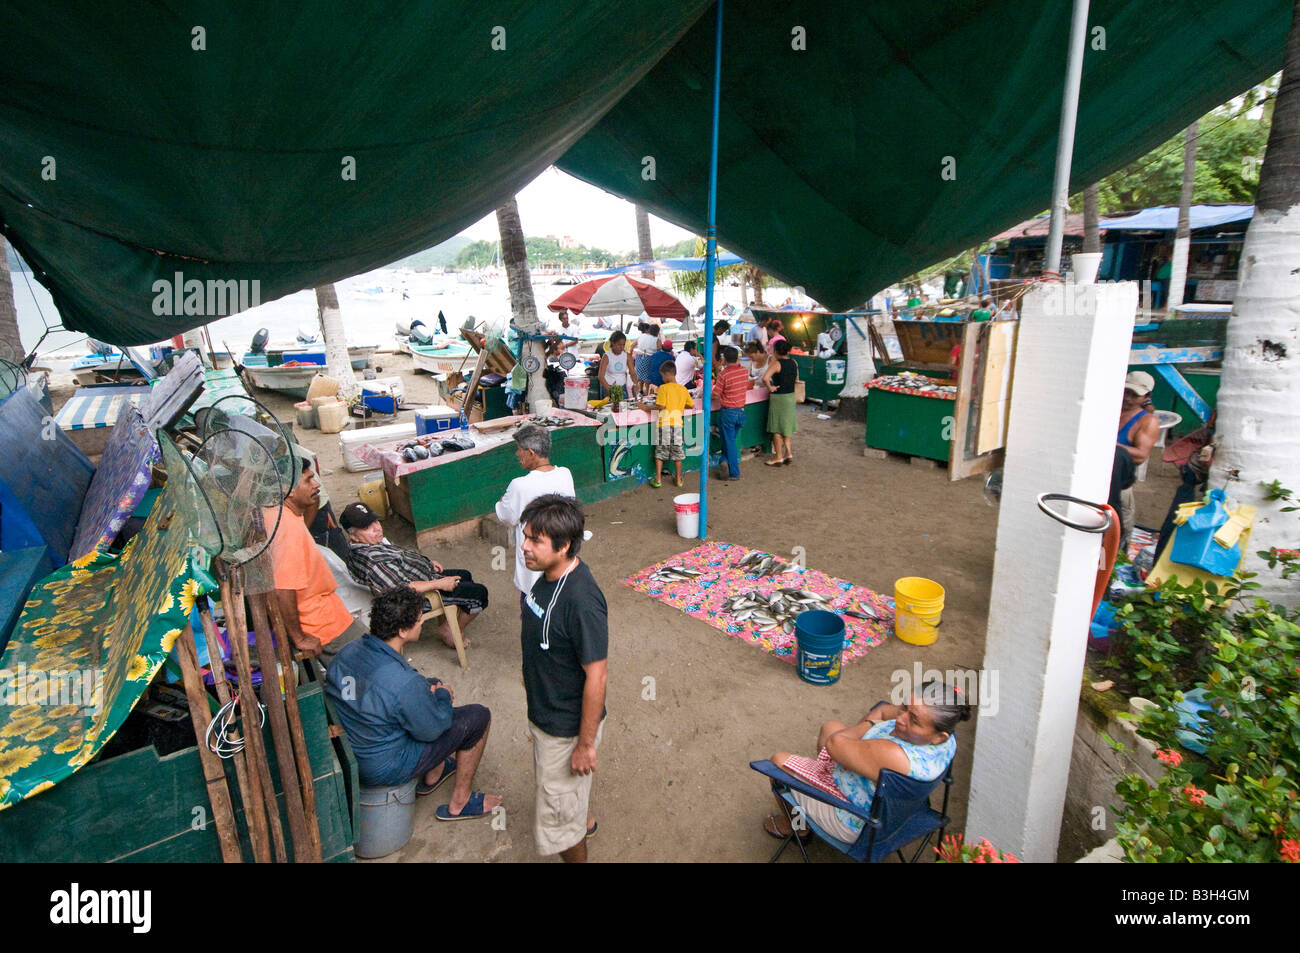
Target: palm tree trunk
337	363
1183	236
645	251
11	343
1258	433
514	255
1091	221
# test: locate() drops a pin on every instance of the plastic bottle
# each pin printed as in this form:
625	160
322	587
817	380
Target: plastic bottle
464	420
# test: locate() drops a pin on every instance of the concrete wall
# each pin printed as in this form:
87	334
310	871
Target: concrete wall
1095	768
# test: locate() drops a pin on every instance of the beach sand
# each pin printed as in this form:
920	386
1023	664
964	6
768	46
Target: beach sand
673	781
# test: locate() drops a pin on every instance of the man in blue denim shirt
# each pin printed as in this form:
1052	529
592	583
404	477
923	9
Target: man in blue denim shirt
400	724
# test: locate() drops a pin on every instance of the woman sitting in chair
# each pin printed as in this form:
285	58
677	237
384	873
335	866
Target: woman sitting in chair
915	740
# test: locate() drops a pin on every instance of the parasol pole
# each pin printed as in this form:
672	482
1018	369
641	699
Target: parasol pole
1065	137
710	269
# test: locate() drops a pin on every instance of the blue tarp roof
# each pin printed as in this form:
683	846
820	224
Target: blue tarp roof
674	264
1165	217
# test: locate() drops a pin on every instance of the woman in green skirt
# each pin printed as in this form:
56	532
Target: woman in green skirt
779	379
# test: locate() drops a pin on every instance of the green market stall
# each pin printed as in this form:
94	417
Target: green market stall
605	459
628	445
464	485
910	420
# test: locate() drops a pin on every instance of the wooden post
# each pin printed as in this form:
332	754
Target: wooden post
232	597
273	701
214	775
250	793
305	774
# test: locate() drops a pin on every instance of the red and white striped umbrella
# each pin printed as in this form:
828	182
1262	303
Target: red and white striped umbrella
619	294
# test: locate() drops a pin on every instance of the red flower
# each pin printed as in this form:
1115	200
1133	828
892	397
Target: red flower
1290	851
1195	795
1169	757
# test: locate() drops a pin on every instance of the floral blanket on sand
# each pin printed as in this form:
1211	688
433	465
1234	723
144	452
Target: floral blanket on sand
705	598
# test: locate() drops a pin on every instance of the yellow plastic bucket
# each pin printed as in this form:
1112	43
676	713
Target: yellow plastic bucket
918	604
374	494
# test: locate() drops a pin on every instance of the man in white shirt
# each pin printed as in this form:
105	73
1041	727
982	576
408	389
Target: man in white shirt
533	450
569	327
759	331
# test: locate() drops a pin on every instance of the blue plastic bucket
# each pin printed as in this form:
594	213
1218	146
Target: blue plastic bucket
820	637
387	819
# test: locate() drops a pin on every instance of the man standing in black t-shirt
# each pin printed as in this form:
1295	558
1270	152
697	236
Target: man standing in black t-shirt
565	640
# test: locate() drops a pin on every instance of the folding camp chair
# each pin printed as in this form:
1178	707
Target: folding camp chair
900	813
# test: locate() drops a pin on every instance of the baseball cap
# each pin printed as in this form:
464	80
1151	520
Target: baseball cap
357	516
1139	382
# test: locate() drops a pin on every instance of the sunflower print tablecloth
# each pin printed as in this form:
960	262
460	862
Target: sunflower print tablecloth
705	599
90	638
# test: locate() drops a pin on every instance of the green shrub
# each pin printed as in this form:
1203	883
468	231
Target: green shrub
1241	800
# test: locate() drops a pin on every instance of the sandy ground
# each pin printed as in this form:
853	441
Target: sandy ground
673	781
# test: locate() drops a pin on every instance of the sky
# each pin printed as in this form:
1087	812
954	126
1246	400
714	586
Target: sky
557	204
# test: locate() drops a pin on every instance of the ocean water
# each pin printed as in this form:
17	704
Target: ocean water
371	305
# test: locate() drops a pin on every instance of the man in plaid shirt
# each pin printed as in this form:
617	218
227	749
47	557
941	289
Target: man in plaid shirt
378	564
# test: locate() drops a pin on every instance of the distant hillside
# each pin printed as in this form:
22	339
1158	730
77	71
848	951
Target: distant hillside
439	256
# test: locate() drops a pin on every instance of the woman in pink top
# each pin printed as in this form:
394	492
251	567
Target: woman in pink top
775	332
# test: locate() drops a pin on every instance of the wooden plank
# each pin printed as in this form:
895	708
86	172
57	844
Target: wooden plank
301	758
1174	355
214	775
995	391
1185	391
273	703
928	341
232	598
259	835
964	409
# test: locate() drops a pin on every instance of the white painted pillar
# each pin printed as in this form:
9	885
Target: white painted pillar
1071	358
859	369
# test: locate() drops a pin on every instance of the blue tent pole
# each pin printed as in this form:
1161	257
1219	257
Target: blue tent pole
710	270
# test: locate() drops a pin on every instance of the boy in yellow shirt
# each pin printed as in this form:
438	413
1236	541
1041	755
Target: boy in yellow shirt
671	399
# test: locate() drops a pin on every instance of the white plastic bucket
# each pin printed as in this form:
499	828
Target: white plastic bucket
687	508
575	392
542	407
1085	266
835	371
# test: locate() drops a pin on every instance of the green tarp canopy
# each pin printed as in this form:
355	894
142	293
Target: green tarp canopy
229	163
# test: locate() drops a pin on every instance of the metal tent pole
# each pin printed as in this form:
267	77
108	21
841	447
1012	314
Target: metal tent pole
710	269
1065	136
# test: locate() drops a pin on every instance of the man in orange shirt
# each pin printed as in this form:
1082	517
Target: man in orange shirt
319	623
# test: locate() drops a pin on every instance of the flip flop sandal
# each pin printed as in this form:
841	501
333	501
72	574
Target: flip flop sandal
656	484
473	808
448	769
772	830
772	463
592	832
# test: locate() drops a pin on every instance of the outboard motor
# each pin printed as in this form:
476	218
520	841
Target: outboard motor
259	341
419	333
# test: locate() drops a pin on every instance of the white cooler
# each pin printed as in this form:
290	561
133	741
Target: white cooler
349	440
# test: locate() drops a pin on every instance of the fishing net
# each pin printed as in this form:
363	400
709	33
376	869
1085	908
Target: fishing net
246	465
